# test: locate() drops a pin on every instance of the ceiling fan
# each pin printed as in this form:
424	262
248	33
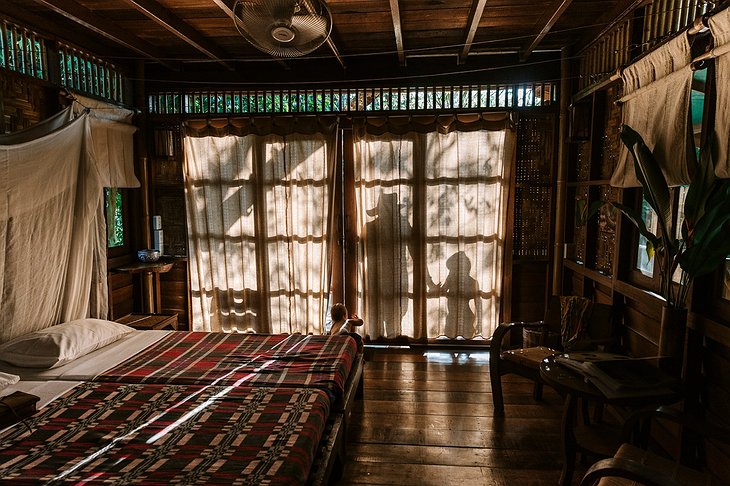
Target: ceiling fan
283	28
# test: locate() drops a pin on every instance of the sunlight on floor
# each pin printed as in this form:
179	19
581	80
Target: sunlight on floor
457	357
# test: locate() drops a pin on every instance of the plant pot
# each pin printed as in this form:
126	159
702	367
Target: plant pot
672	333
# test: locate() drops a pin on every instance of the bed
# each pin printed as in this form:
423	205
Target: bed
331	363
168	433
142	364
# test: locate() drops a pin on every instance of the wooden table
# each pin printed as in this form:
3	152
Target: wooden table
596	439
150	275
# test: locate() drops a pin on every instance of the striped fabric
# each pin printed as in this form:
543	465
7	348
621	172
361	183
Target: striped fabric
168	434
201	358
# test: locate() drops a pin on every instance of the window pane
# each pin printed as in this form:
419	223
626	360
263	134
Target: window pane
463	248
384	173
295	180
114	219
678	228
643	262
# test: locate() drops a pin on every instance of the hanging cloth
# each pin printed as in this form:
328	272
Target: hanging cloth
51	252
720	28
656	103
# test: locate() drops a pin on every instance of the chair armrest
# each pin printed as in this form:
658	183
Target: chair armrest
507	327
625	468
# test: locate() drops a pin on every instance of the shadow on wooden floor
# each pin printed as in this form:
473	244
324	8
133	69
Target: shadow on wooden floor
427	419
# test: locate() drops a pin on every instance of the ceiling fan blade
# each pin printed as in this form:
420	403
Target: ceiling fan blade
309	29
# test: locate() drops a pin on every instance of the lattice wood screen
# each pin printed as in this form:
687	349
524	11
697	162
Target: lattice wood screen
533	192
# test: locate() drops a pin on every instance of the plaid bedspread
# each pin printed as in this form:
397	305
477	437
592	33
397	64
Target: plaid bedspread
201	358
168	434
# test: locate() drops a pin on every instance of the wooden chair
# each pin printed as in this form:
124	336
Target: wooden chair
635	465
594	327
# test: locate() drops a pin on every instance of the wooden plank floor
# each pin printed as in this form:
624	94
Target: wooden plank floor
427	419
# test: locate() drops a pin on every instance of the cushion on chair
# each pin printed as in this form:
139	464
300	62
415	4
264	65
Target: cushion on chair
652	461
573	325
530	357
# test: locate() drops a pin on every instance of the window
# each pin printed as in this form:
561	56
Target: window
114	217
358	99
431	215
682	190
21	51
643	262
258	223
87	74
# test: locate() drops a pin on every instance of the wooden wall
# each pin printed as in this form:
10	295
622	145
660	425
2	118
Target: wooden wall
601	265
24	101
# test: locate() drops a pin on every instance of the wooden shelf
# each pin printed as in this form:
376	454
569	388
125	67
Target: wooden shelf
594	275
598	182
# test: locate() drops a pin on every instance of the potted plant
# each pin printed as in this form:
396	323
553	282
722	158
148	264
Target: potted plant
704	242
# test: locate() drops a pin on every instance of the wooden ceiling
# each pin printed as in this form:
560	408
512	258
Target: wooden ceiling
375	39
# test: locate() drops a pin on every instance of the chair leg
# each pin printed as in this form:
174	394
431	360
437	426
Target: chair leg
497	397
537	391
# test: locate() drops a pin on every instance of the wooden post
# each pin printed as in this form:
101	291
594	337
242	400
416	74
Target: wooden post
561	190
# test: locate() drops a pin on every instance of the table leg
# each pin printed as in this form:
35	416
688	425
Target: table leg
148	293
158	296
569	442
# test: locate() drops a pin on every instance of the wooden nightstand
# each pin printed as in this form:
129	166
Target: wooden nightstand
145	322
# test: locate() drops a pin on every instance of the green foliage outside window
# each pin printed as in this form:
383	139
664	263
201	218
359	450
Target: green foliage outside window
114	219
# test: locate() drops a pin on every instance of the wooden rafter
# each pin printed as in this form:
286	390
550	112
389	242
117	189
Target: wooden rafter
558	8
88	19
398	31
184	31
227	7
475	16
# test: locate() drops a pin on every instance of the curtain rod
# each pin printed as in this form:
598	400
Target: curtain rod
699	25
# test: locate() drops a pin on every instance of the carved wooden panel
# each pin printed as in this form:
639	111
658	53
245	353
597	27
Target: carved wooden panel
23	102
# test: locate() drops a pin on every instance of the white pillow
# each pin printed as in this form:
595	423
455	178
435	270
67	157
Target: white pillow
60	344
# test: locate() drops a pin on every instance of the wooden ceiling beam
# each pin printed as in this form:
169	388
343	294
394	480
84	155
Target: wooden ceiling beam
398	31
475	16
88	19
558	8
184	31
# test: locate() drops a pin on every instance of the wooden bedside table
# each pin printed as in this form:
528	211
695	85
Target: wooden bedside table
145	322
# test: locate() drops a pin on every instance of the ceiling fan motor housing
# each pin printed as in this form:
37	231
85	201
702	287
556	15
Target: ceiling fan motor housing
282	33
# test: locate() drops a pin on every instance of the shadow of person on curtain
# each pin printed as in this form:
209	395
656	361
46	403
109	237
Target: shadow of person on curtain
386	239
460	288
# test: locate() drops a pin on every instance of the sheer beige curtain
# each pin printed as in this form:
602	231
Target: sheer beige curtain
258	194
51	219
432	197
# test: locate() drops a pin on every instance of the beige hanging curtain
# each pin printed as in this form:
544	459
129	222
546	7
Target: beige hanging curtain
52	248
111	143
431	199
258	193
656	103
720	28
